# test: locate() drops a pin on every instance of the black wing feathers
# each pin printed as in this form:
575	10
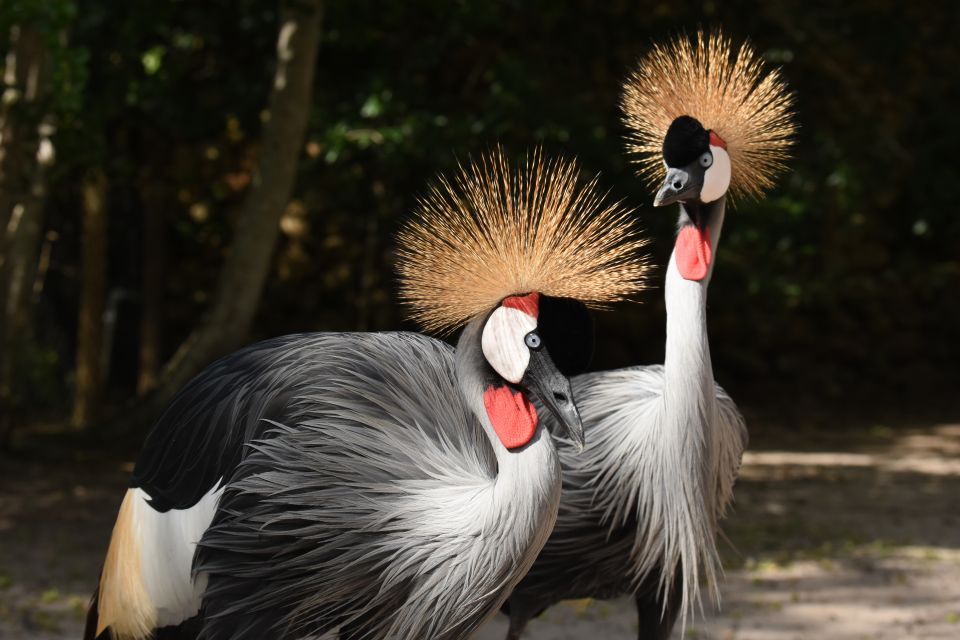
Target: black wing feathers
200	437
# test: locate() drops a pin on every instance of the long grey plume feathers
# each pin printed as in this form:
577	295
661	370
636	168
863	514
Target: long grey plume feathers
625	524
369	503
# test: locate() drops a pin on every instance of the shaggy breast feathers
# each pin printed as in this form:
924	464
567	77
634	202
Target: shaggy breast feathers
359	484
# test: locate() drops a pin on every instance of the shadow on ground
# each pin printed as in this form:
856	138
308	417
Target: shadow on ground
837	533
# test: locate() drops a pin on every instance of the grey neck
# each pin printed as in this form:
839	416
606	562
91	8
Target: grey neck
473	378
522	506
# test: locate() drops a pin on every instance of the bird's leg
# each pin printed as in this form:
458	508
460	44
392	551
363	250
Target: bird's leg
519	617
516	629
654	621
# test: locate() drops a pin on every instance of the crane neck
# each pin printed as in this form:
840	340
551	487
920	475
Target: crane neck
526	490
687	367
473	377
681	448
518	509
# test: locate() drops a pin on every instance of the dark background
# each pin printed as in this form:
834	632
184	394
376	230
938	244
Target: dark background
836	293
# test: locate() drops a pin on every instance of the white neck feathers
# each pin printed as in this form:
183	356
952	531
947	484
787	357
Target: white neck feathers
518	513
687	442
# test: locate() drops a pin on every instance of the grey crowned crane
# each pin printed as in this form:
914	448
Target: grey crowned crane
381	483
640	506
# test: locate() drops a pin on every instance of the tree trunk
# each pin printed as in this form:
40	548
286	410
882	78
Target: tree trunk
92	297
256	224
26	153
10	178
151	309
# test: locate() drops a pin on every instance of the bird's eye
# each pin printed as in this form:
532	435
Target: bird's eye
706	160
533	340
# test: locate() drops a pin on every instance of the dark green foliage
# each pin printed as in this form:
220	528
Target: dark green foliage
846	279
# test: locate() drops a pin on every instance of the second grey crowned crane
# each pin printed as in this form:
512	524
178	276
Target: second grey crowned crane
641	505
384	484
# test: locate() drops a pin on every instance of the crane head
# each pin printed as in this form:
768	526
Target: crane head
514	344
697	163
682	91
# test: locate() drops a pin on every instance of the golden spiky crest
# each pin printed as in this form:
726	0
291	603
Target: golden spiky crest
732	95
493	232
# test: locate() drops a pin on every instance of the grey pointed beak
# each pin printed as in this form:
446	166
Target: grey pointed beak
680	184
554	391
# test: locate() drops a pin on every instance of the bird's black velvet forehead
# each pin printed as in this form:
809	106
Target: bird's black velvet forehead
686	139
566	327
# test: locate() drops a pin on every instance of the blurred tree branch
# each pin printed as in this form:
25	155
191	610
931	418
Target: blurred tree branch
89	381
256	224
151	310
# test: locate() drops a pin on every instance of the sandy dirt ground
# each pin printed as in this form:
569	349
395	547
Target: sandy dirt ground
837	534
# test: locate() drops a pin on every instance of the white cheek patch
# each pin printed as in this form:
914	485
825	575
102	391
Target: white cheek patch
716	179
503	342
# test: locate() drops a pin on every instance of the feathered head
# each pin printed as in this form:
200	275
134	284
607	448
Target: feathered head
715	117
494	232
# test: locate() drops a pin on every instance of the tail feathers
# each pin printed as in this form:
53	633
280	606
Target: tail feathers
122	602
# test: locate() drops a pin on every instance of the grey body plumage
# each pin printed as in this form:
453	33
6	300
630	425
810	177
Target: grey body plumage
367	478
614	529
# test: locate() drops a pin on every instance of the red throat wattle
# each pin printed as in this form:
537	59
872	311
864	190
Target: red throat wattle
693	252
513	416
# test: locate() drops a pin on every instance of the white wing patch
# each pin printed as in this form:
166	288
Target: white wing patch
167	543
503	345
